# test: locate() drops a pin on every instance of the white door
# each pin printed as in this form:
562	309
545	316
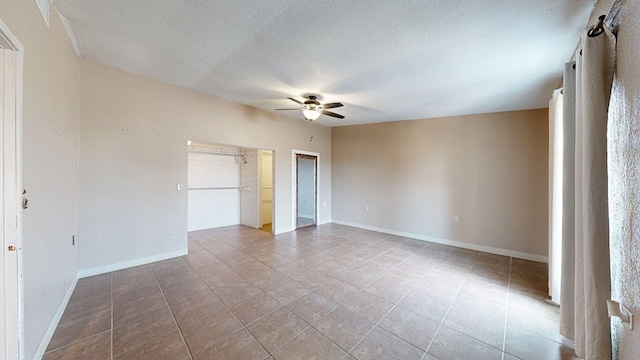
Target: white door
11	322
266	187
249	191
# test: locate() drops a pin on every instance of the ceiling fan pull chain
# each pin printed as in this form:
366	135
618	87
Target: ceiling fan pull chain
310	132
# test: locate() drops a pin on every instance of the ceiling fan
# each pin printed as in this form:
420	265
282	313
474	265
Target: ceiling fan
312	108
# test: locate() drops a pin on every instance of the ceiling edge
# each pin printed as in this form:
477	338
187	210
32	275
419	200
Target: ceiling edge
72	36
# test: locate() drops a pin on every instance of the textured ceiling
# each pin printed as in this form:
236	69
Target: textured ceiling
385	60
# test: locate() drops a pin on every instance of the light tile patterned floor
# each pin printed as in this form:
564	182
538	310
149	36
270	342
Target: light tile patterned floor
327	292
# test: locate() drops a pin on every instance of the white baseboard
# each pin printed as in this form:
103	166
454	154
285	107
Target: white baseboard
131	263
324	222
460	244
54	322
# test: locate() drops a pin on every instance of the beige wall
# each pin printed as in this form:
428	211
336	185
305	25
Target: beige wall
624	179
414	176
50	175
133	138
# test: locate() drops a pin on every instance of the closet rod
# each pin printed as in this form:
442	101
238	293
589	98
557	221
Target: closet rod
223	188
214	153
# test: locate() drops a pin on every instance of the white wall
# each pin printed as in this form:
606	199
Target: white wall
624	179
209	206
414	176
132	137
50	169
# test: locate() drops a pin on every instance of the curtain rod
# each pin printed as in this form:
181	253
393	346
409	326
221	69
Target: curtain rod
610	20
598	28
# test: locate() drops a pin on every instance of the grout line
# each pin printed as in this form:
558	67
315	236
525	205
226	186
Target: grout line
312	290
449	309
170	312
283	305
470	336
293	337
132	301
339	305
345	238
398	302
239	239
244	327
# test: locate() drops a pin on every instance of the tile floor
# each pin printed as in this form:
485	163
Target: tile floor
327	292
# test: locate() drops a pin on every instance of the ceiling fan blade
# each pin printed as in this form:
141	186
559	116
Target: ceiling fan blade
331	105
286	109
292	99
329	113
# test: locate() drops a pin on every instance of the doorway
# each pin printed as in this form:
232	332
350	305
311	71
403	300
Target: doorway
229	185
214	186
306	190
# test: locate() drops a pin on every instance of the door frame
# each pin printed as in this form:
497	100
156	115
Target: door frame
11	273
294	186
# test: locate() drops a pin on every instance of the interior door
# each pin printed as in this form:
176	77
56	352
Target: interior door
11	207
306	190
266	189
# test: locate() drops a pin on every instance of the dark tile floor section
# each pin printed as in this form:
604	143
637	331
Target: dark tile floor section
327	292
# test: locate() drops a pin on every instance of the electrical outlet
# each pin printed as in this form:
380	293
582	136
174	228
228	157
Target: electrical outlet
456	218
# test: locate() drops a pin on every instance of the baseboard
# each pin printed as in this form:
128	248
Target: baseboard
54	322
131	263
325	222
460	244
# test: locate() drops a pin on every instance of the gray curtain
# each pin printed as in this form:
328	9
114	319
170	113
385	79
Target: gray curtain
586	277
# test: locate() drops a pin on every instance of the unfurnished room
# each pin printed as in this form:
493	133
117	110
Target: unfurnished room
350	180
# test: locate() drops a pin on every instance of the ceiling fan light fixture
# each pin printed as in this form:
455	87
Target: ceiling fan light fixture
311	114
